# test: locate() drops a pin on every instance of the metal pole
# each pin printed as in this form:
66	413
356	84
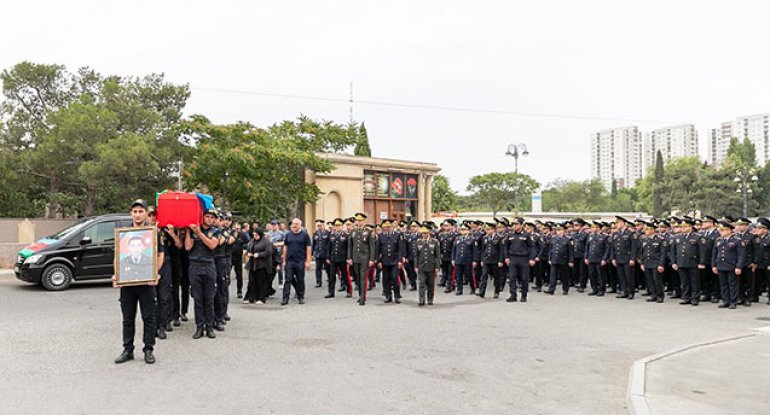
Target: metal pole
745	199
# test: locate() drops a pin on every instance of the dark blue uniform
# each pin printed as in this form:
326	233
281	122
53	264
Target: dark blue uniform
519	250
728	255
203	279
338	256
490	258
222	263
623	251
685	254
761	250
580	271
560	256
463	255
651	255
320	252
446	242
390	252
746	280
597	249
709	281
410	238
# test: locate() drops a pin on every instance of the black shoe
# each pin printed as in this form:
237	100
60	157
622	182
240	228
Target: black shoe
361	302
511	299
480	294
348	295
160	333
398	300
497	295
124	357
732	307
612	291
564	292
592	293
240	295
549	292
539	289
301	301
148	357
685	302
198	333
177	323
645	294
651	300
284	302
341	289
184	317
601	294
660	300
168	327
318	285
227	318
716	300
676	296
524	298
218	326
723	306
630	297
412	288
388	300
421	304
459	292
694	303
447	291
746	303
430	302
210	333
330	295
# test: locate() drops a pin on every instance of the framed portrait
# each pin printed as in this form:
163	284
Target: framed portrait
411	187
383	184
136	253
370	184
397	186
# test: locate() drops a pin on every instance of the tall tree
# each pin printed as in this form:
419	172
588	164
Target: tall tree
362	144
657	197
443	197
501	191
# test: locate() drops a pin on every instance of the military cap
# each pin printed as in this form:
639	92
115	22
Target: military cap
663	224
530	224
728	218
465	227
561	225
152	211
359	216
369	226
332	223
698	221
621	219
606	224
387	223
401	223
139	202
579	221
349	220
742	221
648	224
596	224
211	212
414	223
687	221
763	222
548	225
319	221
450	221
519	220
724	224
431	224
711	219
674	219
424	229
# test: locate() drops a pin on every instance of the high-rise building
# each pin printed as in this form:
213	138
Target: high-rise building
673	142
755	128
616	156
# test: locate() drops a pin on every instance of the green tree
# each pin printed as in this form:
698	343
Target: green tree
575	196
443	197
501	191
362	144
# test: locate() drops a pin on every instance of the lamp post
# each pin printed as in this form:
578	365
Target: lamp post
224	196
744	180
514	150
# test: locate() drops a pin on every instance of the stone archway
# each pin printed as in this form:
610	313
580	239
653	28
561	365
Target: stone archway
332	206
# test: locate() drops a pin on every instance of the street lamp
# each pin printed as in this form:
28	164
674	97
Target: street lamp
513	151
744	179
224	197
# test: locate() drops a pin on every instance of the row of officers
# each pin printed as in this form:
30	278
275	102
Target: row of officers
694	259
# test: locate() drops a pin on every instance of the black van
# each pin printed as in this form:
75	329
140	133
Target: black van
82	251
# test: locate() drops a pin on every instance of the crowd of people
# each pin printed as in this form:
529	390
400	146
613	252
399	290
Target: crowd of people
692	259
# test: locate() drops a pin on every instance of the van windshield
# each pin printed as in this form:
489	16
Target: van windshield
75	227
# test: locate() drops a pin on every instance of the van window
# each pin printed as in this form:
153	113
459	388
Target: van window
101	232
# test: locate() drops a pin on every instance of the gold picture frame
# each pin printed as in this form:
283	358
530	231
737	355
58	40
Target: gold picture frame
136	256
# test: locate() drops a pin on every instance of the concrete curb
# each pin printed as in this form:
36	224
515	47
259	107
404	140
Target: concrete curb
637	382
7	274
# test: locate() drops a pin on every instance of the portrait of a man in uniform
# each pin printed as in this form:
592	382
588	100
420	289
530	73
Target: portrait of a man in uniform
136	253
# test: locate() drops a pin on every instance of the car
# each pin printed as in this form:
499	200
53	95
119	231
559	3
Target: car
82	251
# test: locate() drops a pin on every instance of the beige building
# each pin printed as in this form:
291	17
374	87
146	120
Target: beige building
381	188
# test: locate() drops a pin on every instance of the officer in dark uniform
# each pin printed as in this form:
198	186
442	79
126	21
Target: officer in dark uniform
622	254
728	259
685	258
520	253
446	240
142	294
580	270
390	258
652	258
746	279
236	259
202	241
709	281
337	257
222	256
534	270
427	258
410	237
597	252
761	250
477	233
489	257
542	272
361	254
560	256
463	256
320	251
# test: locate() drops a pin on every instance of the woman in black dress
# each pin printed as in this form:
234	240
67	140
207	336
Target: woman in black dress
259	253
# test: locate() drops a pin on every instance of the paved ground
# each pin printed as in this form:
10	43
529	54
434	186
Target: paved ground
553	355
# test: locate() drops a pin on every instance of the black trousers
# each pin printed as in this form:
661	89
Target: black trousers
728	281
203	284
390	284
690	278
746	284
559	272
446	272
581	271
654	282
760	279
185	283
464	275
237	264
612	276
427	286
180	286
336	268
489	271
320	267
411	274
222	297
294	276
625	278
129	297
518	275
163	312
596	275
258	287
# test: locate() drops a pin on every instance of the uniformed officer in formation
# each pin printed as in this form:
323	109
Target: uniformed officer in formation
520	253
361	254
597	253
411	236
652	259
427	258
728	259
463	256
202	241
709	280
320	251
622	253
390	258
761	249
337	257
446	238
490	258
560	256
685	257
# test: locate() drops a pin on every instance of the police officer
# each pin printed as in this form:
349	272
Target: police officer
236	259
410	237
446	240
222	255
597	252
142	294
202	241
761	250
489	257
746	278
390	257
685	258
520	255
163	289
652	258
709	281
361	254
337	257
320	251
580	237
560	256
622	254
728	260
463	260
427	257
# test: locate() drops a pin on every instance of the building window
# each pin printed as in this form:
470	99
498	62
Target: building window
390	194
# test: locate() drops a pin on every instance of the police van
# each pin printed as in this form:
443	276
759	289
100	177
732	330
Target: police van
82	251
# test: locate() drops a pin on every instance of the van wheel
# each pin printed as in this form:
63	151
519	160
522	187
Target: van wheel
56	277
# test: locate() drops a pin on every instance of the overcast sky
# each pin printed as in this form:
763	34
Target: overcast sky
614	63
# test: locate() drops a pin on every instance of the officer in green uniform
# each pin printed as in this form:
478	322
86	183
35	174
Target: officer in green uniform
361	254
427	258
